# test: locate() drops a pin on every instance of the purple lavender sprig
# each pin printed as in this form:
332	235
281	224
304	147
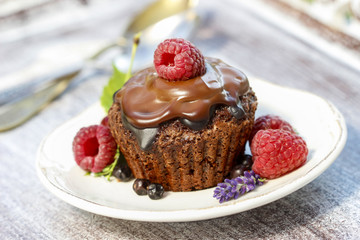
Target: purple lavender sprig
234	188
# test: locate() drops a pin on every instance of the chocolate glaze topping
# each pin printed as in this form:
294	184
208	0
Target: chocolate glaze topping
147	100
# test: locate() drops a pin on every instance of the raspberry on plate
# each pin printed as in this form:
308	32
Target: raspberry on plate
270	122
94	148
277	152
178	59
105	121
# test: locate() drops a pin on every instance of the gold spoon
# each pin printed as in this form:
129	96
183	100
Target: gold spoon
19	104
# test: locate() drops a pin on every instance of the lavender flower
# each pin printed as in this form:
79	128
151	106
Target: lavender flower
234	188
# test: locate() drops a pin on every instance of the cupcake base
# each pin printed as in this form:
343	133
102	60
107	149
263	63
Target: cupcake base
182	159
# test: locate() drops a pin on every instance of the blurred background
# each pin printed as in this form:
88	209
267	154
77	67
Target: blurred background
40	36
54	33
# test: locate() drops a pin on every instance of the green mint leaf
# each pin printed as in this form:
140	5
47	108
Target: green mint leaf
108	170
118	79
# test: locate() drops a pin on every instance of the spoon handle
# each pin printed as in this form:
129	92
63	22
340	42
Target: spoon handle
20	103
19	92
15	112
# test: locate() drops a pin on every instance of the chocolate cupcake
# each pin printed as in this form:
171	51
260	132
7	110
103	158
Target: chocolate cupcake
183	132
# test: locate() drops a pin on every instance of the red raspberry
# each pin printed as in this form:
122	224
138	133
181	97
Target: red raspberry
270	122
178	59
94	148
105	121
277	152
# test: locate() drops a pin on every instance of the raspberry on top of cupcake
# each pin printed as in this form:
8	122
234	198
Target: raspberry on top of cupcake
178	59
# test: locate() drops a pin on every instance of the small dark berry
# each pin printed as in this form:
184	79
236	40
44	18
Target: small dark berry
155	191
237	171
140	186
122	172
243	163
245	160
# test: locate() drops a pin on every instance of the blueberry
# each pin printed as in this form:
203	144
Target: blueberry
237	171
155	191
122	172
245	160
244	163
140	186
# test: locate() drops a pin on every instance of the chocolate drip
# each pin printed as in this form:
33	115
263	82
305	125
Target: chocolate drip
237	111
198	125
194	125
148	100
144	136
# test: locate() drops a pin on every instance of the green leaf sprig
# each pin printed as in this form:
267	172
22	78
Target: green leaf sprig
118	78
108	170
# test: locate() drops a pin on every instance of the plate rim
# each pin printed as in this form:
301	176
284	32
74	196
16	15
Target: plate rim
225	209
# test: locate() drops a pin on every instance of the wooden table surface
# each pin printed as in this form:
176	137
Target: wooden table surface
326	208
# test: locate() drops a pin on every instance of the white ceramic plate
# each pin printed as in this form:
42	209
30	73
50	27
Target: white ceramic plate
317	121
